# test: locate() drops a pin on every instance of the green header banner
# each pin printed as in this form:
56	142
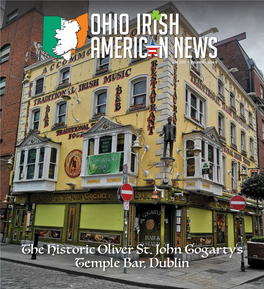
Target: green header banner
104	164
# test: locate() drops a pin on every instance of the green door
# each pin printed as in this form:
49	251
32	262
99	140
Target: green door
18	224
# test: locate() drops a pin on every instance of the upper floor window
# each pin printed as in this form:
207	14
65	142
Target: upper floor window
138	93
242	111
190	159
196	65
243	142
12	16
102	64
232	101
221	89
243	170
261	92
100	97
221	124
61	112
233	133
195	107
250	118
64	75
39	86
35	119
4	53
251	148
234	175
2	85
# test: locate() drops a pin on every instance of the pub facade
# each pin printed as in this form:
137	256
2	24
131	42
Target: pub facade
88	123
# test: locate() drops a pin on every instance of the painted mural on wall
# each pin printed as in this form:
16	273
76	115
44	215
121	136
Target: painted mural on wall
73	163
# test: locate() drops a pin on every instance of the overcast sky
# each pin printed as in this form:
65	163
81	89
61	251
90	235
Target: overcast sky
230	17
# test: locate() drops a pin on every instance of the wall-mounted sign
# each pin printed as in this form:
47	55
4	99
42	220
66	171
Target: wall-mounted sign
205	168
104	164
73	163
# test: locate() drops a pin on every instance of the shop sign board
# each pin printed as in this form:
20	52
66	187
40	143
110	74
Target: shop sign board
205	168
126	192
238	203
104	164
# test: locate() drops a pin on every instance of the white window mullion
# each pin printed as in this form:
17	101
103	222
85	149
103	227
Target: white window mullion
96	145
127	150
36	164
25	165
46	162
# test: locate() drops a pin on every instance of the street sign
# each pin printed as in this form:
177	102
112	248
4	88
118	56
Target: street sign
126	206
126	192
238	203
205	168
254	172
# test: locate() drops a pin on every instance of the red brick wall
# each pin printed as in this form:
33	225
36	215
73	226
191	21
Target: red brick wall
21	36
257	83
232	57
261	141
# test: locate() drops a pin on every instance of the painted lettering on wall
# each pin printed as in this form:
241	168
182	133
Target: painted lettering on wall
117	75
152	97
74	131
46	118
236	155
118	98
89	84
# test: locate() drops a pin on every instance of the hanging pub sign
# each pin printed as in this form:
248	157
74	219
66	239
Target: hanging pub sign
73	163
104	164
205	168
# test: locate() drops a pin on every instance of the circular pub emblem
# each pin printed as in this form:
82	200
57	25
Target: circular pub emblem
73	163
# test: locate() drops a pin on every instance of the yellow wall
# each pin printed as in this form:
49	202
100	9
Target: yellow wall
231	240
102	217
50	215
248	224
201	221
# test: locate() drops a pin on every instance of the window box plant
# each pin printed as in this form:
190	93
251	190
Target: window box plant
255	249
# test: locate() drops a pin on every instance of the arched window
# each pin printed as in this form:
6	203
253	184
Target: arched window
243	141
221	124
233	134
99	102
2	85
138	92
4	53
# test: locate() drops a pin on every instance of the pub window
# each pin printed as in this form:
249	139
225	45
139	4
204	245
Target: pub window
35	119
196	64
251	147
218	168
139	89
224	169
190	158
31	164
100	107
178	227
233	133
105	145
71	223
41	162
242	110
21	165
194	107
91	147
232	101
39	86
221	89
220	228
61	112
211	161
52	166
221	124
234	175
243	141
120	148
4	53
63	78
133	156
2	85
102	64
250	118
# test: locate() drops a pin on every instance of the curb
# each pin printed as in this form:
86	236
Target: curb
121	281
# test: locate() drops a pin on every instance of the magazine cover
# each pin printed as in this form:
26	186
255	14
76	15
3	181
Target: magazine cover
132	144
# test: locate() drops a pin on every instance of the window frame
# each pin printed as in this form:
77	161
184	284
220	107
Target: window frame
232	96
35	86
251	148
60	83
188	93
4	87
221	115
221	92
193	68
131	83
95	94
232	124
250	118
97	68
56	112
13	15
234	178
242	111
243	146
7	54
32	113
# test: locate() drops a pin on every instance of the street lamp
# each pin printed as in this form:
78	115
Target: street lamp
66	96
136	147
211	30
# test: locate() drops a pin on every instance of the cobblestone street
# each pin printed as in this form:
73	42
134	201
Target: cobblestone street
22	276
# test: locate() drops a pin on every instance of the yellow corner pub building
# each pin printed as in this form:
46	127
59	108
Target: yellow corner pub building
83	121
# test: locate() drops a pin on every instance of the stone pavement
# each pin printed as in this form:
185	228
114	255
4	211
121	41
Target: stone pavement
217	272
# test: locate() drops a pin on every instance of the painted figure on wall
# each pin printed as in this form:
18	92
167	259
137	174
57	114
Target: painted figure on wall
169	132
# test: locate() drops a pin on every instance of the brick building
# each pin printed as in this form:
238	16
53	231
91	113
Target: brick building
250	77
21	40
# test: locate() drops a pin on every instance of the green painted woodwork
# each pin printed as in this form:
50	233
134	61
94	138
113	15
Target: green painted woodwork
49	215
201	221
248	224
102	217
231	236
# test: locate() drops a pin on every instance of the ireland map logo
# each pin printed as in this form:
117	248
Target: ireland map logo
62	37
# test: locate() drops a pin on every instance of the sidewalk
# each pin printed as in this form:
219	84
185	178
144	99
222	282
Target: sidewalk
216	272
